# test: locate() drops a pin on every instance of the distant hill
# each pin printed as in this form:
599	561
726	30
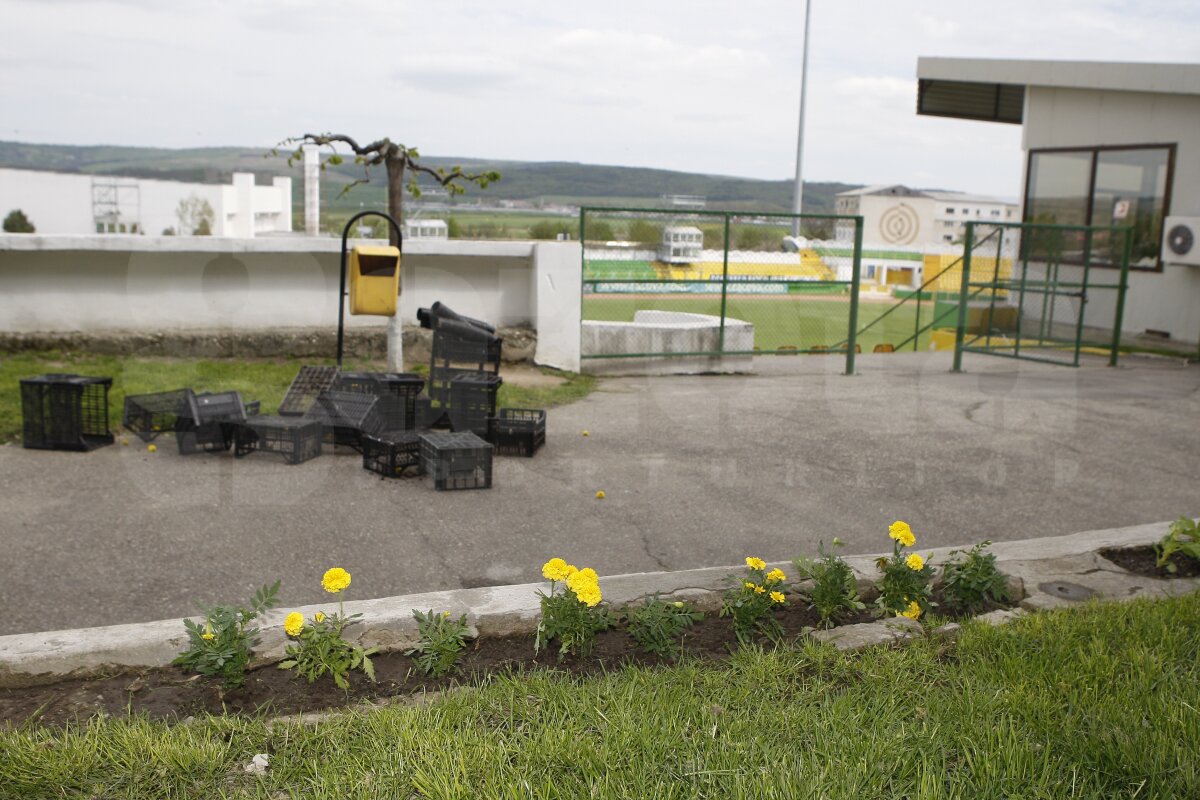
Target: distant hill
561	182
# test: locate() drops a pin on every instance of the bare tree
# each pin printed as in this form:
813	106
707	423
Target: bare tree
399	161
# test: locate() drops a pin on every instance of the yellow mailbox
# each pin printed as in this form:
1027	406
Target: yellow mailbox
374	280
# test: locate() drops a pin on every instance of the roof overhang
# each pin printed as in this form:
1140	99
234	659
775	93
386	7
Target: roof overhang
994	89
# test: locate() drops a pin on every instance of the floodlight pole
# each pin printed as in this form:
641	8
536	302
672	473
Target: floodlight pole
342	284
797	195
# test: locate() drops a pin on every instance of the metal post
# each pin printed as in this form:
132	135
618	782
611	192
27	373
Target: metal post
995	283
1083	298
855	286
724	287
968	241
342	282
1122	287
797	199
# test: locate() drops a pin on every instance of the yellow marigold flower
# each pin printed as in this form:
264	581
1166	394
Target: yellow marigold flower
777	597
590	596
294	623
759	589
915	562
319	616
903	534
569	571
583	580
600	495
755	563
678	604
335	580
913	612
776	575
555	570
748	585
208	634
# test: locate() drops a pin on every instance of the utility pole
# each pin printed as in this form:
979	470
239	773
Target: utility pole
797	200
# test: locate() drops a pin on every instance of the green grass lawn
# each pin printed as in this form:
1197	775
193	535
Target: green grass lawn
1101	701
265	380
779	321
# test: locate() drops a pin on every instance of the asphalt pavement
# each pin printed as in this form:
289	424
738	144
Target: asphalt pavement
697	471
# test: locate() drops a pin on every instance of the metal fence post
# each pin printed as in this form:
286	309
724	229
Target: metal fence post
724	286
855	285
1122	287
962	296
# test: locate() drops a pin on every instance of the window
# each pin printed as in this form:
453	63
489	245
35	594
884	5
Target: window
949	210
1125	187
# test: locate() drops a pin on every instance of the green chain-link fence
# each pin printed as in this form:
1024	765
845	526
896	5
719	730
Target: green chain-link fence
748	286
1063	295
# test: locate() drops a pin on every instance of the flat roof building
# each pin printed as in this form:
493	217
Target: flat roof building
1107	144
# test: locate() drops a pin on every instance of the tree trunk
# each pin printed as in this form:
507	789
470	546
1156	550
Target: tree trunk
395	195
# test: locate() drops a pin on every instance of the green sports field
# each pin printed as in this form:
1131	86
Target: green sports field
780	321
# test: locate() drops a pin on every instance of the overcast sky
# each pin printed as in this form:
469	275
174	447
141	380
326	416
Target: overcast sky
697	86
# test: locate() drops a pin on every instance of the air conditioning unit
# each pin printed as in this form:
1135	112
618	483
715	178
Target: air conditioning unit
1181	241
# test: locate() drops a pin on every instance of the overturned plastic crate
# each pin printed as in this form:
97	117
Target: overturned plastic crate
211	428
457	460
518	431
295	438
346	416
148	415
65	412
392	454
473	401
309	382
397	393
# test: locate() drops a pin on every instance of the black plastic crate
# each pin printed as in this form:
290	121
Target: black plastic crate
457	460
295	438
211	428
65	412
346	416
309	382
397	393
148	415
392	454
429	416
472	401
517	431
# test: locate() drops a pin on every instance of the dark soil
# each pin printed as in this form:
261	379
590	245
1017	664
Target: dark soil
1144	561
173	694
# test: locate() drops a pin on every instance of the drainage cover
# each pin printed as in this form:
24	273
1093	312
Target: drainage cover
1067	591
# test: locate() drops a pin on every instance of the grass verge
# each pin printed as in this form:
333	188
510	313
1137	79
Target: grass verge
257	379
1100	701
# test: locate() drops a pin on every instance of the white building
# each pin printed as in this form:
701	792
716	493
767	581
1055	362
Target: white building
426	229
681	244
896	215
72	203
1106	144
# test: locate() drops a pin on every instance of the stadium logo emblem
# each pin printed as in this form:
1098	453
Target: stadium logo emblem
899	225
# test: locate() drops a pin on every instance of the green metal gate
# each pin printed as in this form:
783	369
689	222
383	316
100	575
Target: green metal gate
1042	292
677	283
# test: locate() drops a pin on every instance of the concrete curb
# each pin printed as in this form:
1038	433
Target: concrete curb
46	657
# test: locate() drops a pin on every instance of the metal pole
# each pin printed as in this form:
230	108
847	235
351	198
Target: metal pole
724	286
1123	286
962	296
1083	297
797	198
855	286
342	282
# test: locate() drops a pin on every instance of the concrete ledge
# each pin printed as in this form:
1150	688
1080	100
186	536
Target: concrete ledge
654	331
33	658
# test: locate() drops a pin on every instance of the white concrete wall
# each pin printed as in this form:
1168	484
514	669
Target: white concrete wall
654	331
1056	117
879	210
148	283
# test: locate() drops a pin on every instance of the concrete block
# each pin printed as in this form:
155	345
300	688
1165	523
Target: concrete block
866	634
